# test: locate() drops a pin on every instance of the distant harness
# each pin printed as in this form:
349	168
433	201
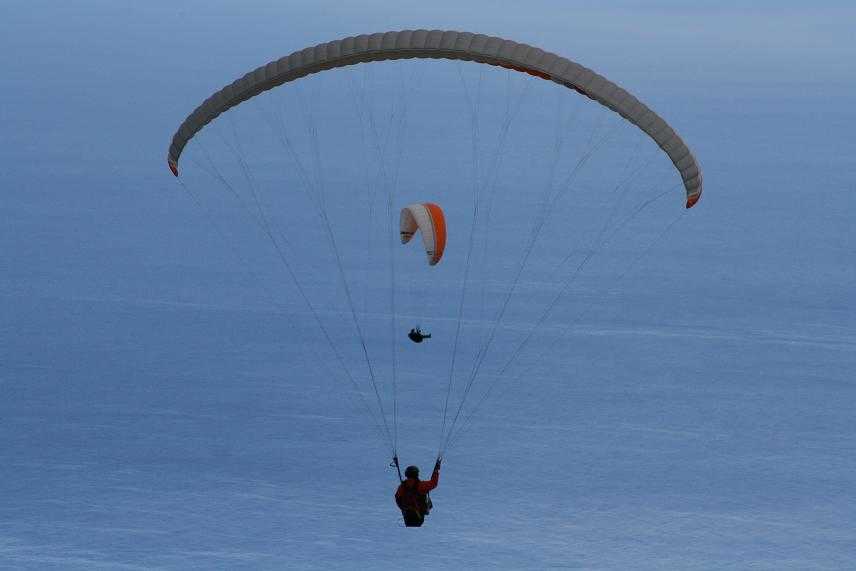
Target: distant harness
417	336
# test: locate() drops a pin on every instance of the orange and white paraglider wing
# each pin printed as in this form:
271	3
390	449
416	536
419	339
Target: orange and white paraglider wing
428	218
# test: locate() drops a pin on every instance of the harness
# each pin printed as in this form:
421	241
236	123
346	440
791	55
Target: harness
413	500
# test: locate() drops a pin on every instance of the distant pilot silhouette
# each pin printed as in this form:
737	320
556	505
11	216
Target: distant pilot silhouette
417	336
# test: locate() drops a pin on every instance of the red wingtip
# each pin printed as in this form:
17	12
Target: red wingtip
173	166
691	200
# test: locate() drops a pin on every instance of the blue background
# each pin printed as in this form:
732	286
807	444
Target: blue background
152	418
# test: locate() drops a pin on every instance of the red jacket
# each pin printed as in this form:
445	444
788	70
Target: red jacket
411	494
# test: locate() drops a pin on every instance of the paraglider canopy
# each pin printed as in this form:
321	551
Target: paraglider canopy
449	45
427	218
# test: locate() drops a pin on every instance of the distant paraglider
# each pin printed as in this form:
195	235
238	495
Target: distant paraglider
417	336
428	218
